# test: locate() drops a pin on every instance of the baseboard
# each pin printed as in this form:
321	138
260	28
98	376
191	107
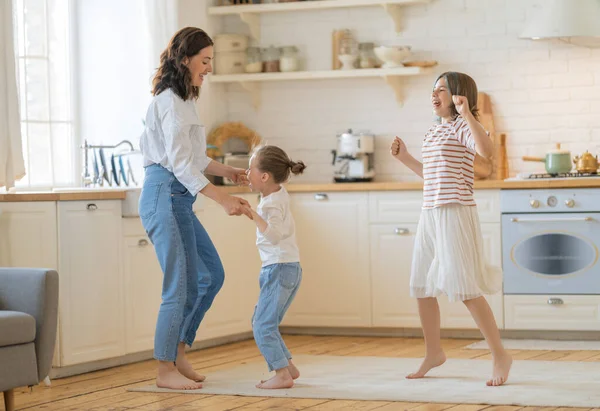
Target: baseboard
445	333
69	371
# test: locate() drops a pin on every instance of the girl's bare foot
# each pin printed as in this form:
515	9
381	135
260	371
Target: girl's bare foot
185	367
282	379
501	369
169	377
429	362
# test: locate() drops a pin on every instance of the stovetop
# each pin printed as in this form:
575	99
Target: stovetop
562	175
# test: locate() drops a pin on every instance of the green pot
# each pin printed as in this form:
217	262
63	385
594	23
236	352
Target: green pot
556	162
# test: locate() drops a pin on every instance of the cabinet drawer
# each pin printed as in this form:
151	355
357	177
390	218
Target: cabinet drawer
488	205
405	206
552	312
395	207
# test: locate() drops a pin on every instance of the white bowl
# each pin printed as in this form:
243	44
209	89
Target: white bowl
392	56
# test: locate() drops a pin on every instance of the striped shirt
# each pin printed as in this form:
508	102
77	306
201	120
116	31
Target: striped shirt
448	155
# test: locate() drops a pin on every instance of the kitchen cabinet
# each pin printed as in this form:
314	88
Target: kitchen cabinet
91	308
28	234
143	279
391	257
333	237
235	240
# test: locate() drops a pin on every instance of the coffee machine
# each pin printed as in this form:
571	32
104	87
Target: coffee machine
353	158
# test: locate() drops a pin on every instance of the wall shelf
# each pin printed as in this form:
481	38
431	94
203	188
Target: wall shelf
250	14
251	82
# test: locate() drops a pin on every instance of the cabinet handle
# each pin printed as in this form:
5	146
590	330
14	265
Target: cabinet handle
401	231
143	242
555	301
92	207
321	197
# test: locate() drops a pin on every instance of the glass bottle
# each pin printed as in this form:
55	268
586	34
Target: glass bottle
289	58
367	57
253	60
271	59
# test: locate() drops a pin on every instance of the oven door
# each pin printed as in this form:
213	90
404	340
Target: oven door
551	253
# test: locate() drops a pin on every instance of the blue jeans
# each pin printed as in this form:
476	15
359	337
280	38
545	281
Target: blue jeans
193	273
279	284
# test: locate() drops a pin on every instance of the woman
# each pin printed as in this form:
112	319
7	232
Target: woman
174	149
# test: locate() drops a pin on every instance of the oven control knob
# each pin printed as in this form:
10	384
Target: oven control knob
570	203
534	203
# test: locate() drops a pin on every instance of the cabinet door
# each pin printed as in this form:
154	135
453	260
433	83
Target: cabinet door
456	315
391	257
235	240
333	237
143	287
28	234
91	309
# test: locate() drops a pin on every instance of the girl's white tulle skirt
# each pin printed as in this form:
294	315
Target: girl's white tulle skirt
448	256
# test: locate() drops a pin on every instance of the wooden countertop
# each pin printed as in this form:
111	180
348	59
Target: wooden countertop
399	186
313	187
63	195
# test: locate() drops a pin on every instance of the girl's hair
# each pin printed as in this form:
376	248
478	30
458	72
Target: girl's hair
460	84
172	73
273	160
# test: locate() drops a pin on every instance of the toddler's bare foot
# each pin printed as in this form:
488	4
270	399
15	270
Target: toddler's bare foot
282	379
501	369
294	372
429	362
169	377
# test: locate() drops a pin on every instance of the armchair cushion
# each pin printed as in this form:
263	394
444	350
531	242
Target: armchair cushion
16	328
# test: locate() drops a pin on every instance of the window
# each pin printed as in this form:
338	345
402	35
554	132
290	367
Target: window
43	35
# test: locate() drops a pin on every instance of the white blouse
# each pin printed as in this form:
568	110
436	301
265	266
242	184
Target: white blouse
174	138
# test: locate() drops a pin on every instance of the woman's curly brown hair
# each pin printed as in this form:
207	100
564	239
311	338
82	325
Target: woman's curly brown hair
172	73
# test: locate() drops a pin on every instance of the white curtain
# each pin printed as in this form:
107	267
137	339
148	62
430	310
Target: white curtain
12	165
161	22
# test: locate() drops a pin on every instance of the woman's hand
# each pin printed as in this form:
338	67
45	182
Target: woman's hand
238	176
236	206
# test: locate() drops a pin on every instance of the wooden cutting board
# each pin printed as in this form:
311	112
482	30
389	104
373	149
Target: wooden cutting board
494	168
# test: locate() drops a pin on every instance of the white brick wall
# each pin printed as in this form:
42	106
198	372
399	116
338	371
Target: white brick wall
542	92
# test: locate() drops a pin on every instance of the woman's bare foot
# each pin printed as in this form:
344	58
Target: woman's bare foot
282	379
429	362
294	372
185	367
501	369
169	377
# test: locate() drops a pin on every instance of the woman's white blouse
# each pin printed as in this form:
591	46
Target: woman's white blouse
174	138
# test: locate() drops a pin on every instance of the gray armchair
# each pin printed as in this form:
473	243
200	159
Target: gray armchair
28	318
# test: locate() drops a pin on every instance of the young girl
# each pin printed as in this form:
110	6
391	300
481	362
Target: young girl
281	274
448	255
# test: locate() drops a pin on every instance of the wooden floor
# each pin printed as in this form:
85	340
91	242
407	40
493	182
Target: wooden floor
106	390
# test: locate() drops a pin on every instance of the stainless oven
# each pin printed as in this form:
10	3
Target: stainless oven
550	241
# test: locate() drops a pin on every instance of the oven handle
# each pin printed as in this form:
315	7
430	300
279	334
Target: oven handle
548	220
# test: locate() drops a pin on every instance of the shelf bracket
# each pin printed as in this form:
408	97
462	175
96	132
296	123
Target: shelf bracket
395	12
253	22
395	82
253	88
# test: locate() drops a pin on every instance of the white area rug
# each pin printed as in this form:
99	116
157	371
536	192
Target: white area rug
531	383
546	345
